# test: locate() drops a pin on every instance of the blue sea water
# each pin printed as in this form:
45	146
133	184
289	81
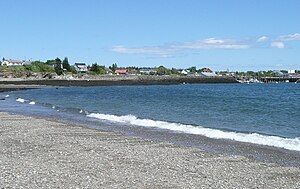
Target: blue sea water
267	114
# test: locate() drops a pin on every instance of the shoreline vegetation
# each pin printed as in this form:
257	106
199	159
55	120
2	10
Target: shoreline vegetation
39	153
57	69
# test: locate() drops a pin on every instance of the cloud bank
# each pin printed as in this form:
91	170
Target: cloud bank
167	50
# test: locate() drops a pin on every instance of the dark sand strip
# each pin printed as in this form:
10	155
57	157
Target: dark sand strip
37	153
121	80
12	87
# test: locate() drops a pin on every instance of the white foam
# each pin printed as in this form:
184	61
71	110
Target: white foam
32	103
6	96
287	143
20	100
81	111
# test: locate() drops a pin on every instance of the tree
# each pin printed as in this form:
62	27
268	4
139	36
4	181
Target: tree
66	64
174	71
97	69
94	68
161	70
193	69
113	67
58	67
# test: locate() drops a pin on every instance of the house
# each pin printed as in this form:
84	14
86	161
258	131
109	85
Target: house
108	71
208	73
121	72
292	71
278	73
132	72
80	67
185	72
53	65
147	71
12	63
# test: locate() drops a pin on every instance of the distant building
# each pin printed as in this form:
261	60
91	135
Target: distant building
185	72
132	72
108	71
208	72
278	73
12	63
123	71
147	71
53	65
80	67
291	71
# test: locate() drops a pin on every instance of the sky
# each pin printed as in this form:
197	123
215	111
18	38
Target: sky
235	35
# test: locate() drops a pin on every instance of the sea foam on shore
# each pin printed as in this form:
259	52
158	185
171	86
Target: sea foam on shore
287	143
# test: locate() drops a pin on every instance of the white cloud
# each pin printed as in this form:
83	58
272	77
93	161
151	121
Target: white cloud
292	37
279	45
262	39
142	50
213	41
167	50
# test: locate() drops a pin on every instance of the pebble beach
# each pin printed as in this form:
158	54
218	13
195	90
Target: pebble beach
40	153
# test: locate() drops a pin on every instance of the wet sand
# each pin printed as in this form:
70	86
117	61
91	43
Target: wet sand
39	153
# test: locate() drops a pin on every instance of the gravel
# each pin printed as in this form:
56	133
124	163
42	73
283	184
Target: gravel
38	153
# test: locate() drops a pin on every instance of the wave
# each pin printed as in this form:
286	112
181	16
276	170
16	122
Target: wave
20	100
287	143
23	100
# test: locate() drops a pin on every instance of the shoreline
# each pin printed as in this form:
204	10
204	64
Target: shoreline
40	153
120	80
14	87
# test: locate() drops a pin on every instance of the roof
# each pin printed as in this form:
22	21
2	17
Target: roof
209	74
208	70
80	63
121	71
14	61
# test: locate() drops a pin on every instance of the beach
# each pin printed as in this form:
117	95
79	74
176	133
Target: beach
40	153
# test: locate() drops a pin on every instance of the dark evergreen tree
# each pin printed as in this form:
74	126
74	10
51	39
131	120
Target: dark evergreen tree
94	68
66	64
113	67
58	67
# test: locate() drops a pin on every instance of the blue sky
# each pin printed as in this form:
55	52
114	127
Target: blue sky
237	35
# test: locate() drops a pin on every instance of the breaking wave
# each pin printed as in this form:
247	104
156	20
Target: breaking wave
287	143
20	100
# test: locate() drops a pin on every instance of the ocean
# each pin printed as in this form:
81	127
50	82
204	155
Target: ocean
259	114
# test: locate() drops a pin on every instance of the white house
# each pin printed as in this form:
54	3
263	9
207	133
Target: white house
209	73
291	71
185	72
80	67
12	63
